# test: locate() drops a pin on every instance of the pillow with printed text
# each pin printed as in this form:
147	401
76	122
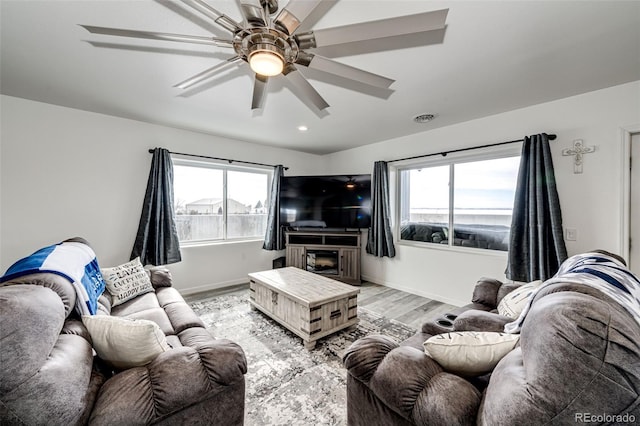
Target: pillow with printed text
126	281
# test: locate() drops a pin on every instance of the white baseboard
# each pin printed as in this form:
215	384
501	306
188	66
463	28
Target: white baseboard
212	286
426	294
216	286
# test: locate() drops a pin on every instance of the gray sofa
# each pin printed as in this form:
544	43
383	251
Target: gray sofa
49	375
578	358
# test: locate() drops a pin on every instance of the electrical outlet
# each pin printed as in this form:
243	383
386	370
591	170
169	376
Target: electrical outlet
571	234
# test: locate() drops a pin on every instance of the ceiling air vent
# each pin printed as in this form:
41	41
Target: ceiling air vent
424	118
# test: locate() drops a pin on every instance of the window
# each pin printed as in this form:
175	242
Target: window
465	202
219	202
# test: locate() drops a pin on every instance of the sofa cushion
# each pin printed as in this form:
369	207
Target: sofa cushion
158	316
165	307
136	305
126	281
469	353
178	311
125	342
514	303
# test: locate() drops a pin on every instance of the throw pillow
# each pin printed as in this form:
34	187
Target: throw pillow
470	353
125	342
126	281
514	303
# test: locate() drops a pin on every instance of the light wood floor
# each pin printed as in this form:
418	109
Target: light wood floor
399	305
394	304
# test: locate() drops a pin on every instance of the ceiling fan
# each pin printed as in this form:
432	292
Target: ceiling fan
268	42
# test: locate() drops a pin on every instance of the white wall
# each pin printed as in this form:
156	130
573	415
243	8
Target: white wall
591	202
66	173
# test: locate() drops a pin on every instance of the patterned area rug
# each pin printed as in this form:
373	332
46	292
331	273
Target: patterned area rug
286	384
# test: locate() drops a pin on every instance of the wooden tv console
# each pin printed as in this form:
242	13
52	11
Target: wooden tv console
332	254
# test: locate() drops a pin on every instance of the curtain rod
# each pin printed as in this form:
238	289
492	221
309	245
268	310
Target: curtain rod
444	153
221	159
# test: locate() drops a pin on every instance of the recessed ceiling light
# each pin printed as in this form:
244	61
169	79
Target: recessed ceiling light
303	128
424	118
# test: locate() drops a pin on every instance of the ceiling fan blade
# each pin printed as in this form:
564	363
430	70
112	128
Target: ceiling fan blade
382	28
159	36
330	66
218	17
259	90
253	13
303	87
290	18
208	73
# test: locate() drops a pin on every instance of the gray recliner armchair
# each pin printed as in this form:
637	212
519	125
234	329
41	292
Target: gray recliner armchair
578	358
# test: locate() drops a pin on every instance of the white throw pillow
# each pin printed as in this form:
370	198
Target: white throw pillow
470	353
126	281
125	342
514	303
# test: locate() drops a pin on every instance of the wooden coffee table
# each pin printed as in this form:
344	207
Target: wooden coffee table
311	306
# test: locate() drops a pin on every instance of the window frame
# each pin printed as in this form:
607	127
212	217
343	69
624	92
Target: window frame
179	160
490	153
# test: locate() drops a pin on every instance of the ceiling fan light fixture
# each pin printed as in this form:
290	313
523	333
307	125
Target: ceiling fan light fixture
271	46
266	63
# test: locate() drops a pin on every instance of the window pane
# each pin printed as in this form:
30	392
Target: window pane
247	204
425	204
198	200
483	201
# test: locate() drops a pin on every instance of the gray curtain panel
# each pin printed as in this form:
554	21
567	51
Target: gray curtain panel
536	246
157	238
274	236
380	239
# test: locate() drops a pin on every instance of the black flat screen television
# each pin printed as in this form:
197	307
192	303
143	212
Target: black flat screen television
338	201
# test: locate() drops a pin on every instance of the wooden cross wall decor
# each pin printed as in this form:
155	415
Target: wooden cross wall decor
578	151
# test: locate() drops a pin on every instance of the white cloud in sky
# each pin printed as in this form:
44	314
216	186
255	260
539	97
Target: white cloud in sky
478	184
194	183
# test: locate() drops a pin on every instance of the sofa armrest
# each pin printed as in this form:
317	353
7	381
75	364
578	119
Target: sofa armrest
411	383
160	276
486	292
505	289
175	380
475	320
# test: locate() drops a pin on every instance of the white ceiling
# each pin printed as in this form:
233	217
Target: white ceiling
492	57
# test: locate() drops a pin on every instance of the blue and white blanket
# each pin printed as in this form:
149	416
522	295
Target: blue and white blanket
72	260
596	270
